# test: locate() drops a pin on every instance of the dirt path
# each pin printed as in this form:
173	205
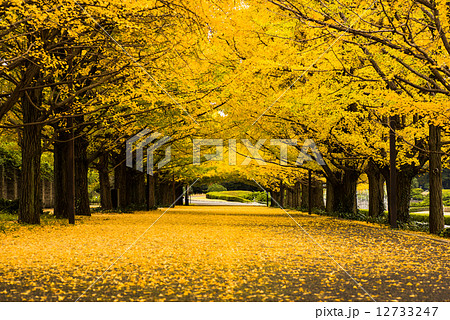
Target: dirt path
221	254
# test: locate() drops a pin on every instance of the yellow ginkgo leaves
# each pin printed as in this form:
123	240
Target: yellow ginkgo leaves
220	254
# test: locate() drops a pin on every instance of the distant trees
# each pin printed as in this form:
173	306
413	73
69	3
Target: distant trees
81	80
72	73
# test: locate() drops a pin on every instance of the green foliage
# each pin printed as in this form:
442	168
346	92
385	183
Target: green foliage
216	187
132	208
9	206
236	185
414	226
445	233
415	183
11	158
10	155
260	196
360	215
426	199
234	196
416	194
93	186
446	197
423	217
239	196
47	165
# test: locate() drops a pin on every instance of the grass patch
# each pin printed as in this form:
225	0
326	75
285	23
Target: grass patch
418	209
423	217
418	217
8	221
6	216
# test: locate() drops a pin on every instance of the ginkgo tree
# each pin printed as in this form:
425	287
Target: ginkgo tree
65	63
86	77
406	44
326	83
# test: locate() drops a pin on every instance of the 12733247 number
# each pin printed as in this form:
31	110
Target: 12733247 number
406	311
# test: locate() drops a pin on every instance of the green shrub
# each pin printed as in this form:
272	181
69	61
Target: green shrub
446	197
426	199
414	226
9	206
445	233
216	187
260	196
225	196
423	217
416	194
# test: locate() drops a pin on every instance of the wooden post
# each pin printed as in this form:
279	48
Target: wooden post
309	192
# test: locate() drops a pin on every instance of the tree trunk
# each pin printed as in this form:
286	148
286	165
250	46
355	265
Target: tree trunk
289	198
174	192
281	195
120	184
63	176
81	177
330	197
297	195
376	191
274	199
316	196
30	201
136	188
341	195
404	195
436	217
165	193
151	200
59	179
105	185
186	195
305	196
404	179
179	193
278	197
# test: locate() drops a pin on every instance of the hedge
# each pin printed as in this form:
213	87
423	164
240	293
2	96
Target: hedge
224	196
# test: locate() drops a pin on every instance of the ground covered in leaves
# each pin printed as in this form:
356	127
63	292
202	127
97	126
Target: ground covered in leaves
221	254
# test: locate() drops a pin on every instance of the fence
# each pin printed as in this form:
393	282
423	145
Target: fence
10	186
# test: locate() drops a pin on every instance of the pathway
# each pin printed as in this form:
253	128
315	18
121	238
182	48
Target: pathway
221	253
